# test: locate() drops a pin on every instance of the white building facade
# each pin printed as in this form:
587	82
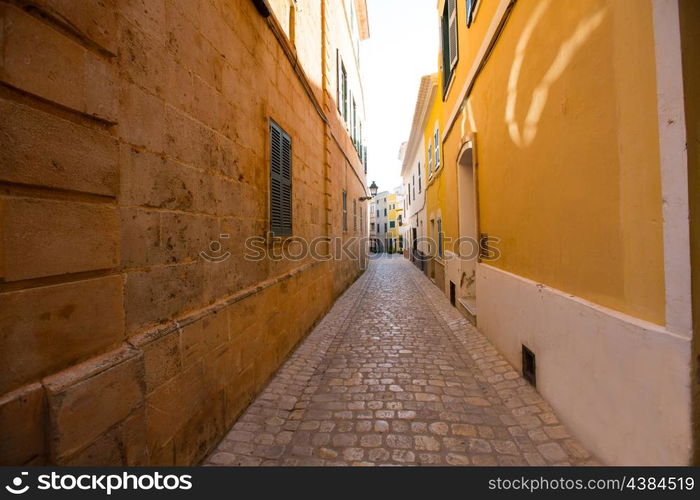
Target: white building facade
412	153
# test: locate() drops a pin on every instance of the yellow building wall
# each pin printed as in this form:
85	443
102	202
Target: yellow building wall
436	184
393	215
571	183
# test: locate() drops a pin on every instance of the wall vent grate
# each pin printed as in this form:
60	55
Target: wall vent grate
529	366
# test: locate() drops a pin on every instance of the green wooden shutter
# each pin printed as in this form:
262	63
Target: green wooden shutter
280	181
445	45
452	21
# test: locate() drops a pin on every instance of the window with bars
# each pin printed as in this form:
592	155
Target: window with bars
280	181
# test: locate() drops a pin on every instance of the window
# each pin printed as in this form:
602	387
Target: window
449	43
414	187
378	213
385	228
347	107
354	215
392	223
342	89
420	182
353	123
409	193
430	161
471	8
371	226
280	181
385	212
437	148
439	231
345	211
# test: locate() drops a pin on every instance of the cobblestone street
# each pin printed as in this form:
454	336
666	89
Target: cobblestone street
395	375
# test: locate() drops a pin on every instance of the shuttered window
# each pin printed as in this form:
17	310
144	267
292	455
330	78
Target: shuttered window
437	149
280	181
343	98
449	43
430	161
339	79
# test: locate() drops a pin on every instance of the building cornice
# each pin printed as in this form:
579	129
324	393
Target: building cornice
426	94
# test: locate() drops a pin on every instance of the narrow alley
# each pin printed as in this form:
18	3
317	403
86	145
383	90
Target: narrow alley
378	383
350	232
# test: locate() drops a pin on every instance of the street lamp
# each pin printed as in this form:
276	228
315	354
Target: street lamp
372	191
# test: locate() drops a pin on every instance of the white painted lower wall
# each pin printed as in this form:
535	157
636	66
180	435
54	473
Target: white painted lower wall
620	384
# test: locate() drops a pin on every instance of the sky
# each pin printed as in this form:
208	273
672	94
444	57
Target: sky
402	47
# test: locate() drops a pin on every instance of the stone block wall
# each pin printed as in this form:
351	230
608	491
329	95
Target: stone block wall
133	134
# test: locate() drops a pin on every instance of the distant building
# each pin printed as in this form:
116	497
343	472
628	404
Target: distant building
388	214
413	155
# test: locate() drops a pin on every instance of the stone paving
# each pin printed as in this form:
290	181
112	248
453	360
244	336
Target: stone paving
394	375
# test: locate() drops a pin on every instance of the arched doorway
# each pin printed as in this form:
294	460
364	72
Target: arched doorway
468	226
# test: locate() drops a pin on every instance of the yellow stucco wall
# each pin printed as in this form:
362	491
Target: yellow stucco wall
570	181
435	182
393	215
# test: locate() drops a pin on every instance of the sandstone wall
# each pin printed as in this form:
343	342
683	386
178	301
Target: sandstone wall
133	134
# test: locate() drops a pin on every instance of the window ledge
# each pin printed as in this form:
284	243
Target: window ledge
450	84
